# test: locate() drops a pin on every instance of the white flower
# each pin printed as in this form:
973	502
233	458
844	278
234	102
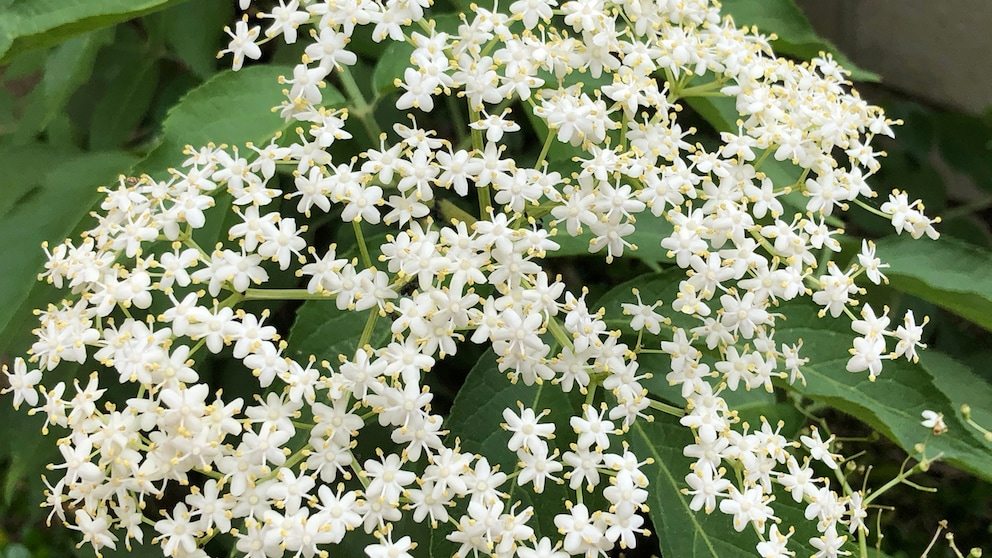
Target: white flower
386	548
329	49
870	263
775	546
178	533
818	448
584	532
242	43
419	89
750	506
286	18
705	487
543	549
95	530
829	545
867	355
934	421
593	431
527	431
537	466
835	290
909	335
22	383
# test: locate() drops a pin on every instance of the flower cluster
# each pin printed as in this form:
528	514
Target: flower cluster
607	80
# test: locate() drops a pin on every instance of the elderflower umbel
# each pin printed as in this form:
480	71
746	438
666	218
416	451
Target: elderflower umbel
148	311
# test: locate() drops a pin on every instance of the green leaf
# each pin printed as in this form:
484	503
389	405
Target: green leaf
193	30
131	75
68	190
232	107
893	403
67	67
720	112
20	166
325	332
475	420
683	532
16	551
394	61
964	142
796	36
950	273
647	236
31	24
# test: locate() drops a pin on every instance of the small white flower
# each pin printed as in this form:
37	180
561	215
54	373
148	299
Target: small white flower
242	43
934	421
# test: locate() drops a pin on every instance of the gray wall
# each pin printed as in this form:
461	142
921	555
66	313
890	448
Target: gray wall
937	50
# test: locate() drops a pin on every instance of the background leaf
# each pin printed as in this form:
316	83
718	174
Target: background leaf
325	332
683	532
964	142
67	190
193	31
950	273
31	24
67	67
475	421
232	108
131	75
893	403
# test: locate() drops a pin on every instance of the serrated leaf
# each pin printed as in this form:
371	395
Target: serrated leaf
796	37
950	273
68	190
893	403
232	108
31	24
475	420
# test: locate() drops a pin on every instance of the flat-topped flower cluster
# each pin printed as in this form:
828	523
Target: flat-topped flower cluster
146	302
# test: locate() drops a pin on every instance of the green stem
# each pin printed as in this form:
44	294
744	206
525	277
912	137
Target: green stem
623	131
559	333
478	147
591	392
545	149
363	110
456	115
757	164
369	328
900	478
666	408
871	209
283	294
362	247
